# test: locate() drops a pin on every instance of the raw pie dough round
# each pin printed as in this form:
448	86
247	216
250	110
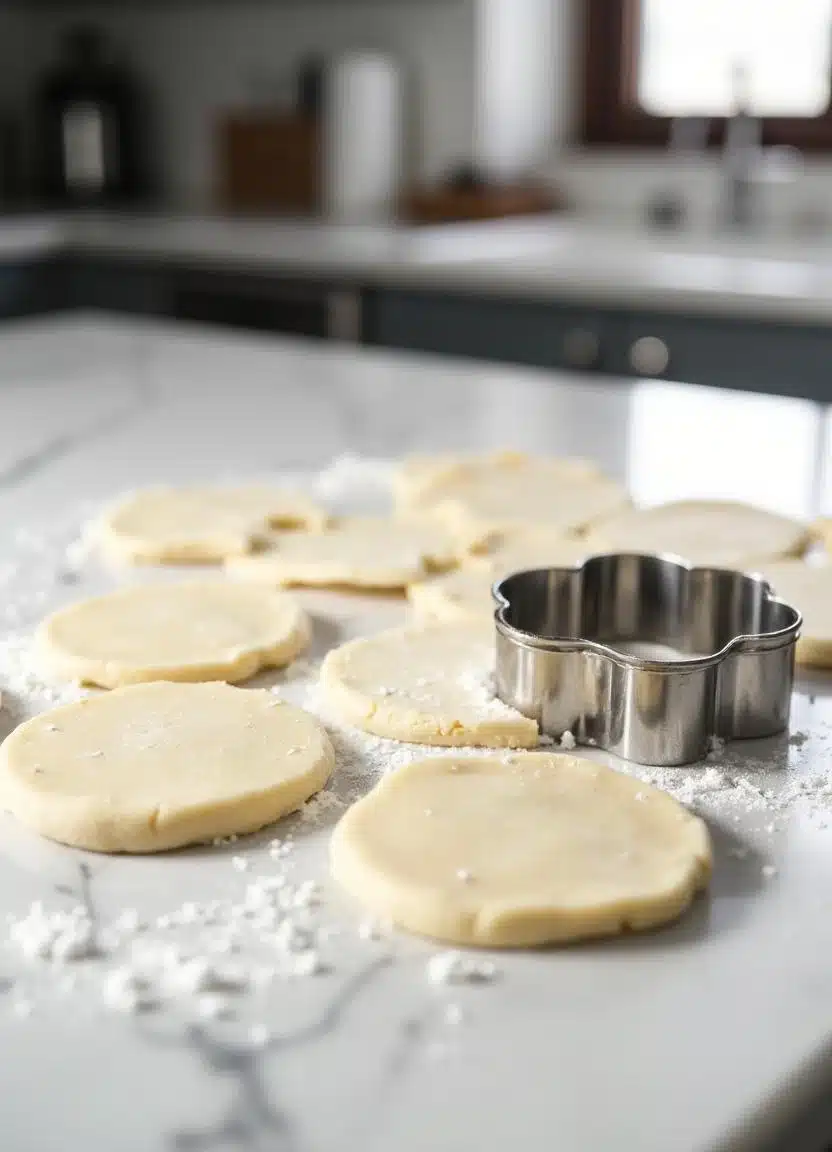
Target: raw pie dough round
361	553
158	766
196	630
708	533
808	588
515	851
523	493
527	546
466	593
427	685
199	525
822	530
418	481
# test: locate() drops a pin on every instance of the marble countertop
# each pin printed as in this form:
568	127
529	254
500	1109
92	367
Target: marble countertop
557	258
709	1036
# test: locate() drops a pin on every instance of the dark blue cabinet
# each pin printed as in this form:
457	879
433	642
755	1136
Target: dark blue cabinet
785	359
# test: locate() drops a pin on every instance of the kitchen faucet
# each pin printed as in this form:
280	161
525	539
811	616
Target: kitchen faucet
741	158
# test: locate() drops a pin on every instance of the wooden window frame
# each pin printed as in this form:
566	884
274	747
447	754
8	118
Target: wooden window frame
611	115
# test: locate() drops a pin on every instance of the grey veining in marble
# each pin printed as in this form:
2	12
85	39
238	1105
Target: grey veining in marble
686	1040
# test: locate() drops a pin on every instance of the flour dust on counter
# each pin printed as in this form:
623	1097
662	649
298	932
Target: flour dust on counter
208	951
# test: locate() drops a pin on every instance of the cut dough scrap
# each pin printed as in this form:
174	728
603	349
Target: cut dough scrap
195	630
428	685
523	494
520	850
808	588
366	553
708	533
417	482
158	766
200	525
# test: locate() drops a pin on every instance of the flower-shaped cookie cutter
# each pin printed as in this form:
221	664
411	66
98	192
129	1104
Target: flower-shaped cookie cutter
646	656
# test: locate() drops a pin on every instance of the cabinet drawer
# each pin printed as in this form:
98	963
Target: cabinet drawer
756	357
514	331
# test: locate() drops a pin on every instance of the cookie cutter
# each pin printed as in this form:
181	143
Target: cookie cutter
585	650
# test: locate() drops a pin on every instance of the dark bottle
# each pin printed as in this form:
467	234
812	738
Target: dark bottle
88	127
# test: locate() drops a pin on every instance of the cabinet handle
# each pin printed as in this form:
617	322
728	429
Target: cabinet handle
649	356
581	348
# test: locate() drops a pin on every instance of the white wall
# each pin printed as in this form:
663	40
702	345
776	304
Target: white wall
199	59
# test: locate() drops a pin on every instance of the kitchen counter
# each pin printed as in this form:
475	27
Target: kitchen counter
713	1035
553	258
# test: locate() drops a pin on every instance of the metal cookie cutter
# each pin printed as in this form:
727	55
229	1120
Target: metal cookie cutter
645	656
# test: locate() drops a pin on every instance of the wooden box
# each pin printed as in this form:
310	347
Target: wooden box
269	162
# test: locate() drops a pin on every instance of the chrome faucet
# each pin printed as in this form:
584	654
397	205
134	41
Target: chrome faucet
742	158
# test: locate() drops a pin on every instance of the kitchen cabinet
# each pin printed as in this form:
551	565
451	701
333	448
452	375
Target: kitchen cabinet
777	358
752	355
31	287
258	302
514	331
128	287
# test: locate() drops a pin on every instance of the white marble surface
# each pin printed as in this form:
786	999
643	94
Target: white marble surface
558	258
703	1037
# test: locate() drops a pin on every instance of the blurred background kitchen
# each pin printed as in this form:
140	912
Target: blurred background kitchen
625	187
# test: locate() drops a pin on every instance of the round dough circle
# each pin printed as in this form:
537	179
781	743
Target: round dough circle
523	493
195	630
707	533
158	766
373	554
822	531
199	525
462	596
528	546
466	593
808	588
418	481
426	685
529	849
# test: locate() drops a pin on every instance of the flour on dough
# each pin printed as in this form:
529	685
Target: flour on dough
194	630
708	533
430	685
199	525
808	588
158	766
359	553
520	850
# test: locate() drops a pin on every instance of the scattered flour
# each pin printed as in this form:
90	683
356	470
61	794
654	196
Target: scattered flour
454	967
271	928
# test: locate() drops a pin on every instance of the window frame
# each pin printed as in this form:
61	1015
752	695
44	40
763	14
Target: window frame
611	116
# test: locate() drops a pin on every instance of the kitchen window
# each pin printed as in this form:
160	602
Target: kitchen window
648	62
